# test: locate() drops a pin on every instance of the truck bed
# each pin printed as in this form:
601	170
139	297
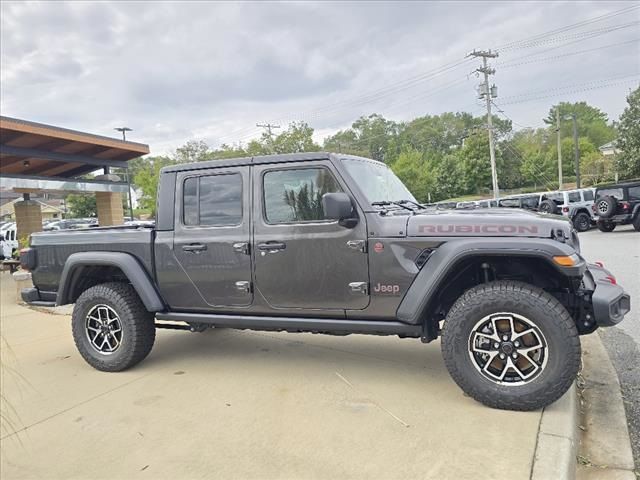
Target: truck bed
53	248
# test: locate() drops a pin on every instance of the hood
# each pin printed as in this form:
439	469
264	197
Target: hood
491	222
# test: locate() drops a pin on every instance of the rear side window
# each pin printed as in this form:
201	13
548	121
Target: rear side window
213	201
295	195
611	192
634	194
588	195
574	197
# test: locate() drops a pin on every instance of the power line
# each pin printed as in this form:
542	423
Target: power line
510	63
579	35
569	27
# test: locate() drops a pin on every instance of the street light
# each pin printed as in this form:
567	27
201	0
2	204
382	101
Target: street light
123	130
576	148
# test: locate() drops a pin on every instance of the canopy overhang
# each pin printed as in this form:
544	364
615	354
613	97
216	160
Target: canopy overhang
33	150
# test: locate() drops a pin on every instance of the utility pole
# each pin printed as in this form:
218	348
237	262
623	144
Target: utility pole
488	93
559	148
124	131
268	127
576	149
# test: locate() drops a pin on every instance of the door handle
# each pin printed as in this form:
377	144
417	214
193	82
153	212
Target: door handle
194	247
271	247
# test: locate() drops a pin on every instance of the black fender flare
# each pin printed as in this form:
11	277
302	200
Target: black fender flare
416	303
126	262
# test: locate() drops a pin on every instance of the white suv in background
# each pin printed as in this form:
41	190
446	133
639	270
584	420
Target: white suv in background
574	204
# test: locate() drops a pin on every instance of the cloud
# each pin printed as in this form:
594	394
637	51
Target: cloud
176	71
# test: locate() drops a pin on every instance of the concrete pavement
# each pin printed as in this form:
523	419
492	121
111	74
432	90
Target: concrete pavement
231	404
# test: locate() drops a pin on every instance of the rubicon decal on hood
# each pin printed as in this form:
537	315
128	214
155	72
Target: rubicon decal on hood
502	229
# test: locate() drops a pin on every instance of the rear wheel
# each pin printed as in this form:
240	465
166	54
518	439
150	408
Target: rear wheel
511	345
548	206
636	222
604	226
112	329
582	222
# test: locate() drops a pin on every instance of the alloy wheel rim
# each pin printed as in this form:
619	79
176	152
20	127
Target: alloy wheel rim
103	329
603	207
508	349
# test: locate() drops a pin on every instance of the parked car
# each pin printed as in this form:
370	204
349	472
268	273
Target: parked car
617	204
334	244
574	204
487	203
8	240
466	205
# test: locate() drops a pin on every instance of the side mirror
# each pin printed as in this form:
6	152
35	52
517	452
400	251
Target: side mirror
337	206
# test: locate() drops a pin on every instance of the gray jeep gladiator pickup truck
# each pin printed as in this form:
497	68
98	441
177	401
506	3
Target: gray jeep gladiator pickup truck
334	244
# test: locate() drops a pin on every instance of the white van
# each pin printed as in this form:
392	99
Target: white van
8	241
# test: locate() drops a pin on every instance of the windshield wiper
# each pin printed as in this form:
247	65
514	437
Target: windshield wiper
419	205
386	203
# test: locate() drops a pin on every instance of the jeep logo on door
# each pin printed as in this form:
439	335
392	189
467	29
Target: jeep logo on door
386	289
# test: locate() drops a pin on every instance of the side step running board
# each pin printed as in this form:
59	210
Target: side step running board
294	324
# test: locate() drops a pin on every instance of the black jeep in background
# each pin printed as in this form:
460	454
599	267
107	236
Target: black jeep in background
617	204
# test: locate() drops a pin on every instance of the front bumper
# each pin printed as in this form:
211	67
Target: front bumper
609	300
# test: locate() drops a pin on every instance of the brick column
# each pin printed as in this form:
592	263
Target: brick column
28	217
109	204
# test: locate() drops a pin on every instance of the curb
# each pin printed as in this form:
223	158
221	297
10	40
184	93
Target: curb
557	445
604	446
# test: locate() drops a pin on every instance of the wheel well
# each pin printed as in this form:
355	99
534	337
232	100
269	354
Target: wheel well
470	272
87	276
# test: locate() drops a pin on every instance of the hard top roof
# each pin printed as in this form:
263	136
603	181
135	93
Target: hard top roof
262	159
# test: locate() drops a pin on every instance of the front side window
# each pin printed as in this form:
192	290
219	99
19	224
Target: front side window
213	201
587	195
295	195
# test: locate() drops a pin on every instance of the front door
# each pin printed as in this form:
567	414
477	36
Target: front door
212	231
303	261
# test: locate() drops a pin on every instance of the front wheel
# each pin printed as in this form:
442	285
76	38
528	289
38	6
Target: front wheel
112	329
511	345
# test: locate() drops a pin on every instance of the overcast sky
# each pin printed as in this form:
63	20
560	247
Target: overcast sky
205	70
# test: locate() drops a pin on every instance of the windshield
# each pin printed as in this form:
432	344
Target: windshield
377	181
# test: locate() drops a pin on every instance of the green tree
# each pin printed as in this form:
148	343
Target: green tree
298	137
591	122
193	151
628	162
415	172
81	206
147	180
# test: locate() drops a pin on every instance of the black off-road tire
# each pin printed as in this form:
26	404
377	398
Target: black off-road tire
541	309
582	222
606	206
548	206
636	222
138	329
605	226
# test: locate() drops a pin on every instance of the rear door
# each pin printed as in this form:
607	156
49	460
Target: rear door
211	239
